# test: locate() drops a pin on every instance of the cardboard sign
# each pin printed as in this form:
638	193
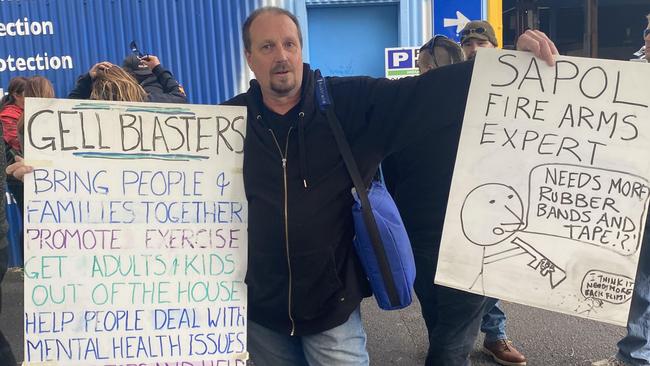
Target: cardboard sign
550	189
135	234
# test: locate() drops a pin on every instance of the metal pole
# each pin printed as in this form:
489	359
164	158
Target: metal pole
590	43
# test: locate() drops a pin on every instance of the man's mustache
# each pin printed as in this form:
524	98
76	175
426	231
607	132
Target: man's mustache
283	67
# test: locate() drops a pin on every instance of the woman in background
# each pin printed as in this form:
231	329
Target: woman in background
105	81
34	87
114	83
11	110
38	87
109	82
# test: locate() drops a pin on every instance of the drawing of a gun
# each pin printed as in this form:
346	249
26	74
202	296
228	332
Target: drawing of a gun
541	263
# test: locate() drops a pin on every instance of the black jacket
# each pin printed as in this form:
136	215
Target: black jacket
308	279
161	87
419	177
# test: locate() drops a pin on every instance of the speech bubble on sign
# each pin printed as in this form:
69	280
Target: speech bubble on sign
595	206
609	287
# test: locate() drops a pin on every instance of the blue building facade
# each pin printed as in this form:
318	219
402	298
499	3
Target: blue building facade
198	40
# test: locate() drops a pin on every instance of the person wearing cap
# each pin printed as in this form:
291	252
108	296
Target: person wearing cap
452	317
439	51
157	81
480	34
477	34
419	178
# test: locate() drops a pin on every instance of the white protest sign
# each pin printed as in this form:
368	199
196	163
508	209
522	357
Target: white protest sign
550	188
135	234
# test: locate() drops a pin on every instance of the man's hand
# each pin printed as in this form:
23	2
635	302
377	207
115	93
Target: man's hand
99	66
539	44
151	61
19	169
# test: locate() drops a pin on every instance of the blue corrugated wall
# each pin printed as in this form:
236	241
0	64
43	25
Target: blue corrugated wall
198	40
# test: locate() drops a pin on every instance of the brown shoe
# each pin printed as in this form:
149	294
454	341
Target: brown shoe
504	353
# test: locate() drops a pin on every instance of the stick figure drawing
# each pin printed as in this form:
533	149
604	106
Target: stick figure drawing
495	232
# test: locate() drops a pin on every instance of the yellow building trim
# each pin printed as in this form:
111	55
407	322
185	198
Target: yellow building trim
495	18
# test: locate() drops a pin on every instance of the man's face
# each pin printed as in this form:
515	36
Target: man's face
471	45
275	55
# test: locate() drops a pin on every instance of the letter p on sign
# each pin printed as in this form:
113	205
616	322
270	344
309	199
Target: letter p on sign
399	62
400	59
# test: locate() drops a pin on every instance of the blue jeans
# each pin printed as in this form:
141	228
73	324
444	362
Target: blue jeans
634	348
493	323
344	345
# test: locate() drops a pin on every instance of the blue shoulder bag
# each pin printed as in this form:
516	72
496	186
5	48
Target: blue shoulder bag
381	241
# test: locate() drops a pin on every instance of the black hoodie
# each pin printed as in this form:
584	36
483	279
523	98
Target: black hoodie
419	176
303	274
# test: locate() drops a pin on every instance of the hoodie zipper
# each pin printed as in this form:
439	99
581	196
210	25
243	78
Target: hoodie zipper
286	218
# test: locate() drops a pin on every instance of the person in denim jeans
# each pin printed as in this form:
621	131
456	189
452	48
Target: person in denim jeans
480	34
496	342
634	348
342	345
419	178
493	323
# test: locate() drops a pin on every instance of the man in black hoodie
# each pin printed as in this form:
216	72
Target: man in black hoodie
304	279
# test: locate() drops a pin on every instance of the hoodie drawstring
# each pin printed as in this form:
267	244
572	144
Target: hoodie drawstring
302	147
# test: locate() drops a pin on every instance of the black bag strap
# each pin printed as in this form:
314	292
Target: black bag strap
325	104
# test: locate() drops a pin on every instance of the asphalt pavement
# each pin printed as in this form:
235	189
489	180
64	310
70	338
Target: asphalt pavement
545	337
399	337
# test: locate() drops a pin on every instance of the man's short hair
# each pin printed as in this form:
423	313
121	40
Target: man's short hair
442	51
246	29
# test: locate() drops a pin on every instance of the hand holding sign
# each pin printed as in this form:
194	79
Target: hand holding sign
19	169
539	44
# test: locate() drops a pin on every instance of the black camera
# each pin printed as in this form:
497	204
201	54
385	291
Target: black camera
136	51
